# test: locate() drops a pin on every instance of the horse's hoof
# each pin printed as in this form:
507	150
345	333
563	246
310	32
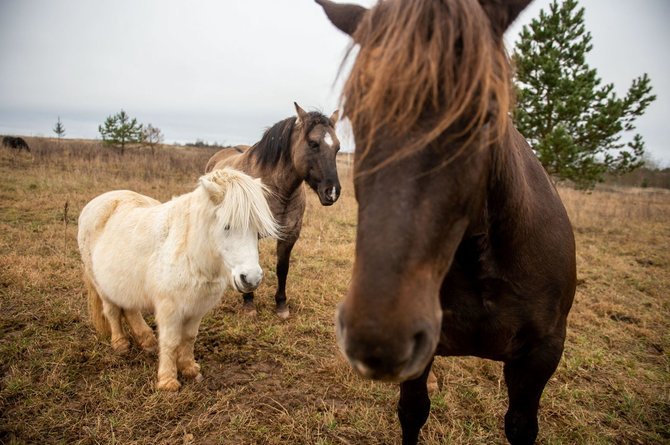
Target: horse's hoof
283	313
168	384
192	371
431	384
121	345
249	309
199	378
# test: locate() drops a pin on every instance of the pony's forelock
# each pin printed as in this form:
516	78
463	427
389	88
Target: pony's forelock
425	69
243	203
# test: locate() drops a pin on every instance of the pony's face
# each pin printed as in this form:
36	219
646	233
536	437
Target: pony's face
413	210
315	156
241	217
239	249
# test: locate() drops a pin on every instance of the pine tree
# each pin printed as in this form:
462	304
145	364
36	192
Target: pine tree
575	125
59	129
120	129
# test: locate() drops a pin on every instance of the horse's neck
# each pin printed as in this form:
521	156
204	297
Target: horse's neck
284	179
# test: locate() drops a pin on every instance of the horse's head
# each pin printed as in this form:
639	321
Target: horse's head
315	153
427	96
241	217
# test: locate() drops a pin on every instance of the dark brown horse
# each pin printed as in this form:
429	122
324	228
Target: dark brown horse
298	149
16	143
463	246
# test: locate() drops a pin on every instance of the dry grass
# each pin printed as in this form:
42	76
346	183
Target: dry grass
273	382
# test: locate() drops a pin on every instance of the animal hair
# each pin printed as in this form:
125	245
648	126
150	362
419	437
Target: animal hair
275	145
427	69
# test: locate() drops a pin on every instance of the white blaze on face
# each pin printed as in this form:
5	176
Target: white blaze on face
328	139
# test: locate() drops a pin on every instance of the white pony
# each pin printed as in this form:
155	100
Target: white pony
175	259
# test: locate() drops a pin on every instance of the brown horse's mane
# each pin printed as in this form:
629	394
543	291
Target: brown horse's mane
427	69
275	145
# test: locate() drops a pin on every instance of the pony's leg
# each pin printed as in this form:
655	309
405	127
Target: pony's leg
113	314
414	406
169	339
143	334
248	305
284	248
186	363
526	378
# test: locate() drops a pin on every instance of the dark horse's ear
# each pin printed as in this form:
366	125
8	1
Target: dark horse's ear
344	16
502	13
302	114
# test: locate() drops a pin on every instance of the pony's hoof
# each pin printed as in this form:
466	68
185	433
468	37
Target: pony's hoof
149	344
192	371
199	378
283	313
121	345
431	384
168	384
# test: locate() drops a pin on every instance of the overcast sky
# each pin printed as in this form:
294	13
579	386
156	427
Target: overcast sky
223	70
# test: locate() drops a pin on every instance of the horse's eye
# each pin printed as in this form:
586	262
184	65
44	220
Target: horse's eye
227	227
314	145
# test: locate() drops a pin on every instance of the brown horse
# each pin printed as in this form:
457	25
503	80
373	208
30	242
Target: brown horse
298	149
464	247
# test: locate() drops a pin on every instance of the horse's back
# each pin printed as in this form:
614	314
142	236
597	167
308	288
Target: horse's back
227	157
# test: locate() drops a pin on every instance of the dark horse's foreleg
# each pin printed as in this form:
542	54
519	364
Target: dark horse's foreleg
284	248
248	305
414	406
526	378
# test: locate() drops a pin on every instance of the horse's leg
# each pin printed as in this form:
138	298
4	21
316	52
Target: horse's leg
248	305
169	339
526	378
414	406
284	248
143	334
113	314
185	359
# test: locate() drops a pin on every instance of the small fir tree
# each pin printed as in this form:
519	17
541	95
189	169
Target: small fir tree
575	125
59	129
119	130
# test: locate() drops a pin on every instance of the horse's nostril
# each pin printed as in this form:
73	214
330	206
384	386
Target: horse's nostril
243	278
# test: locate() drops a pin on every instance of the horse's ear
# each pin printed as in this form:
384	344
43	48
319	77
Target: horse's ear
302	114
344	16
335	117
502	13
213	189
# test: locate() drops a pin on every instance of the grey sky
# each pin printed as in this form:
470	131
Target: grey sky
223	70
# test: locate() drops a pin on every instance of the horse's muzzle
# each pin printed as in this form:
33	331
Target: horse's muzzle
380	353
329	195
248	282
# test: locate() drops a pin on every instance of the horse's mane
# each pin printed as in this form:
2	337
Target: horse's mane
427	68
275	145
243	202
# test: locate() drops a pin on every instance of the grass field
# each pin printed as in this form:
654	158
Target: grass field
273	382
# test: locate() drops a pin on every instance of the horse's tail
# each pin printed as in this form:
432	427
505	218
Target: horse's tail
98	319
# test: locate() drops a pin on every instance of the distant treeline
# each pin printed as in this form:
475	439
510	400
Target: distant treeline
199	143
643	177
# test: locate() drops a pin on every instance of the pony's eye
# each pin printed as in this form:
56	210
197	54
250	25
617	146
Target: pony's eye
227	227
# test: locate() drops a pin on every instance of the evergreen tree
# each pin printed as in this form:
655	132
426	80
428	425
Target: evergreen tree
59	129
119	130
575	125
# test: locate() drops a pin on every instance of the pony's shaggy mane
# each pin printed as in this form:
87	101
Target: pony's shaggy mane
243	202
427	69
275	145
